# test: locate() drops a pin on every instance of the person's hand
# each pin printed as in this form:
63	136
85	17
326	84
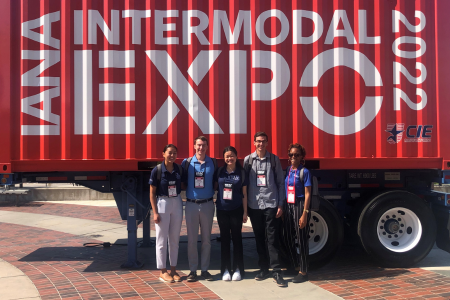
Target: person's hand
279	212
244	218
303	220
156	218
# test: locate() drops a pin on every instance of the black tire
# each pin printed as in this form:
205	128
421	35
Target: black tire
335	235
368	228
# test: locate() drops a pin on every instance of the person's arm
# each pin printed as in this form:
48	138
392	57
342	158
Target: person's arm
185	175
156	216
280	186
244	204
216	181
304	217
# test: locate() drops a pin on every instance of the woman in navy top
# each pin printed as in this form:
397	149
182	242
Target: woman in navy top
296	214
231	204
167	205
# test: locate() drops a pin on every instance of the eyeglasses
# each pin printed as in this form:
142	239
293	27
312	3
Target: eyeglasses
260	141
294	155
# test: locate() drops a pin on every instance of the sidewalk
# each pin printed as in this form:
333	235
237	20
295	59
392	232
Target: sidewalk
44	241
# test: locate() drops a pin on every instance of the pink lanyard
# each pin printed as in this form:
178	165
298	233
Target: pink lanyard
291	189
289	176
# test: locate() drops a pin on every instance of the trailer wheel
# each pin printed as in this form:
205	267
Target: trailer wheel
397	228
326	234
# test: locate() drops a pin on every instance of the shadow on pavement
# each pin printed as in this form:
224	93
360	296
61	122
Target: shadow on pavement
110	259
12	203
351	263
102	259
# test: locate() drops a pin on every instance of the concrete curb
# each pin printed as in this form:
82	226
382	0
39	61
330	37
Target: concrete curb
14	284
58	193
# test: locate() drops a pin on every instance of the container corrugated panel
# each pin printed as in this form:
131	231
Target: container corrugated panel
100	85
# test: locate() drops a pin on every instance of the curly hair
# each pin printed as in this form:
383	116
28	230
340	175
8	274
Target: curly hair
299	147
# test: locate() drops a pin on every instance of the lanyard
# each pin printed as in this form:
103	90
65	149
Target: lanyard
261	176
200	166
227	190
199	177
291	189
265	169
289	176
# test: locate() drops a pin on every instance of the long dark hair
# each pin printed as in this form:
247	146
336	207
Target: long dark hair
232	149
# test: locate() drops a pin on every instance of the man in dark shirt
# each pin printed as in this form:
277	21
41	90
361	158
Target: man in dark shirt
266	195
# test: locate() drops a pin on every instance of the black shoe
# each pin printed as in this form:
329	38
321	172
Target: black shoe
290	272
263	274
192	276
300	278
207	276
279	279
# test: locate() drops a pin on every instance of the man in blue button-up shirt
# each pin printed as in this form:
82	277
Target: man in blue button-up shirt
199	208
266	195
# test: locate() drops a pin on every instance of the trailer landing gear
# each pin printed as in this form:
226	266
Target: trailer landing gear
130	188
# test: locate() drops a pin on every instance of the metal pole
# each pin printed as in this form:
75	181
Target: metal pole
132	262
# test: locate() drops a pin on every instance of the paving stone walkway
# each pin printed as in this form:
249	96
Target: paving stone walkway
61	268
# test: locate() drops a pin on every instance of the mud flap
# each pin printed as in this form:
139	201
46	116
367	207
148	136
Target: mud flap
441	210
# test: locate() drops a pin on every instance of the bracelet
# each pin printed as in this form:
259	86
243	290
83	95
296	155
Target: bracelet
307	211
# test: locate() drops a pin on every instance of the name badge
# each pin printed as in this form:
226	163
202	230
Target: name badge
172	189
199	180
261	178
227	191
291	194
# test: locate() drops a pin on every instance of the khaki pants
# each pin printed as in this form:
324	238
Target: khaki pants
199	214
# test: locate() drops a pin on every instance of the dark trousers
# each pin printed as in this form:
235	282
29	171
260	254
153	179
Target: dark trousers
230	224
267	236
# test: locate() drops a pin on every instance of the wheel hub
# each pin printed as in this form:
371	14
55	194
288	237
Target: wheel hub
392	226
399	229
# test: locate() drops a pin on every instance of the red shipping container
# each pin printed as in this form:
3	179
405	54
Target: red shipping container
101	85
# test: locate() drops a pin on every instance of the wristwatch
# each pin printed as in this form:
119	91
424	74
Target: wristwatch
307	211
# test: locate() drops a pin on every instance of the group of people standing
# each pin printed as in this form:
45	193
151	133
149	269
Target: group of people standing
276	203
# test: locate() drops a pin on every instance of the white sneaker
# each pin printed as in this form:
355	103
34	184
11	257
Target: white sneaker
226	276
237	275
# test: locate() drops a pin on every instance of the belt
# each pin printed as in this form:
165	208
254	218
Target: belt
199	201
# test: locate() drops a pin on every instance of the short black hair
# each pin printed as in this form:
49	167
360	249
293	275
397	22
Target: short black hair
201	137
169	146
260	133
